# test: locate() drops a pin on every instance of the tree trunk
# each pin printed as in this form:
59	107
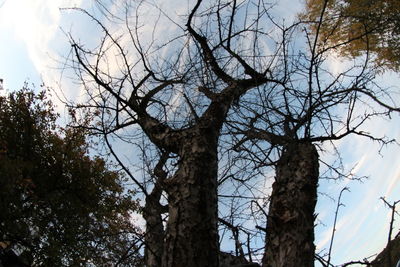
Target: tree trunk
152	213
191	235
154	237
290	224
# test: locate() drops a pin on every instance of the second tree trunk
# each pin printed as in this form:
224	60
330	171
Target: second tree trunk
290	223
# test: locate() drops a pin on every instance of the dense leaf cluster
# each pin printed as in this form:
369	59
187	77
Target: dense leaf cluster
59	205
358	27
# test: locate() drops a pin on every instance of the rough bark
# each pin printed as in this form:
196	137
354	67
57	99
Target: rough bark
191	236
290	225
390	256
154	228
154	235
152	214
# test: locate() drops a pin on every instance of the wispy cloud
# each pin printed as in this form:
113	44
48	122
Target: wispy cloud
35	23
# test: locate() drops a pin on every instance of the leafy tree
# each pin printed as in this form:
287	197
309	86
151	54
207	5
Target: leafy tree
59	205
359	26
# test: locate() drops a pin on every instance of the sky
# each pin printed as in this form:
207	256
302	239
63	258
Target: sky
33	47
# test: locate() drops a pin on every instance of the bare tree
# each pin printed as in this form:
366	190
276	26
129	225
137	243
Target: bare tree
179	99
285	123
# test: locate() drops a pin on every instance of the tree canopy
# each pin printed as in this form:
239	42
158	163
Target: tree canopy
60	206
359	26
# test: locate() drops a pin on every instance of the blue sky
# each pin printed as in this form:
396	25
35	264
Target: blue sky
32	46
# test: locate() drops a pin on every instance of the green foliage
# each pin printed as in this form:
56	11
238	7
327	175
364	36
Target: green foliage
358	26
58	205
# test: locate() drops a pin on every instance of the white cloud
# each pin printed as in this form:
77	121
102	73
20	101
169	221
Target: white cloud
35	23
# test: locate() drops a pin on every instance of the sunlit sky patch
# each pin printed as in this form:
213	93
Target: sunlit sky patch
33	45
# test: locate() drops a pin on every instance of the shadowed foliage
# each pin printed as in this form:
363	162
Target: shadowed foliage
59	205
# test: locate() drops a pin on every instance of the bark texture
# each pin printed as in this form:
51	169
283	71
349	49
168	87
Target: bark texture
191	236
390	256
290	225
154	228
152	213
